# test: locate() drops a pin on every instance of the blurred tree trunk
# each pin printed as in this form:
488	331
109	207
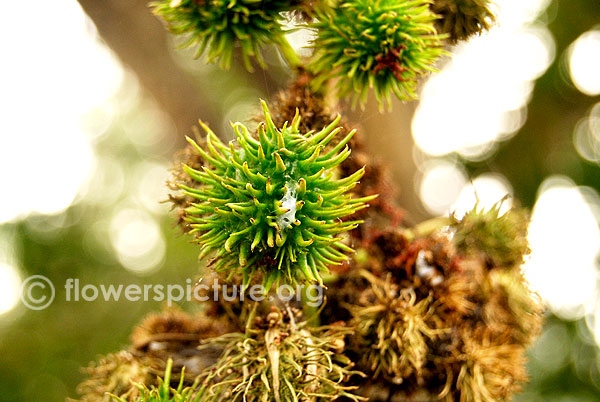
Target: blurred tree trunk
395	151
140	41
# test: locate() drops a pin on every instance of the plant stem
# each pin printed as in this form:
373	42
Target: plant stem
309	307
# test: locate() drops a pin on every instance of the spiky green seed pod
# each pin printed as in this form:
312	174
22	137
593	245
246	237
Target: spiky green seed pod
461	19
273	204
221	25
386	45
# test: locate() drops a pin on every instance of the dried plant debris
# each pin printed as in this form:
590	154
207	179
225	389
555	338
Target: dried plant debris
488	371
393	326
174	325
281	358
160	337
461	19
301	98
439	317
114	374
422	316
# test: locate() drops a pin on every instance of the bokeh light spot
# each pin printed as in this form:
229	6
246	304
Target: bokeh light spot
584	62
551	351
49	82
151	187
564	238
10	284
486	191
440	186
480	96
137	240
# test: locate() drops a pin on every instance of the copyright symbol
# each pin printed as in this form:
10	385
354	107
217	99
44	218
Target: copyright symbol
37	292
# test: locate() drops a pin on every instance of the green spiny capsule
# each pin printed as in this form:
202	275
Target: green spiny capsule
461	19
386	45
271	203
221	25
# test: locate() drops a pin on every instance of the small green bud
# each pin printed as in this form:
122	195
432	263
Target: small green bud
502	238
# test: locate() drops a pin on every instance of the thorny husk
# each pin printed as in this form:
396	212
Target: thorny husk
220	26
317	111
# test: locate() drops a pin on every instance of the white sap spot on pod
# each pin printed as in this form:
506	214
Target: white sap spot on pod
288	202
